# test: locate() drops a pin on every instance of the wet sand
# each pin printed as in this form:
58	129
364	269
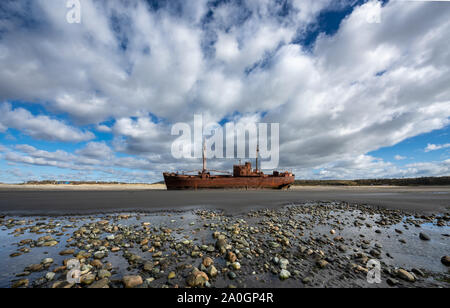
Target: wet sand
25	200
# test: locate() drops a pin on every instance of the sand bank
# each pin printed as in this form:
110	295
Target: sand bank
74	200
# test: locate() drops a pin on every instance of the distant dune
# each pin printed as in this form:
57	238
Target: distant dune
434	181
82	187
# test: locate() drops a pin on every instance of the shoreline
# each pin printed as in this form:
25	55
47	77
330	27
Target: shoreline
143	186
131	187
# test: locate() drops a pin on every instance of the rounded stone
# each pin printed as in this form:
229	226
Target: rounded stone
445	260
50	276
132	281
403	274
284	274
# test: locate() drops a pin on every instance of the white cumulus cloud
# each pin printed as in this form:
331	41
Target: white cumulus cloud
399	157
366	86
40	126
434	147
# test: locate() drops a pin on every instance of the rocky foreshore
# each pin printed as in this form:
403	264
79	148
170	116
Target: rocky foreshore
307	245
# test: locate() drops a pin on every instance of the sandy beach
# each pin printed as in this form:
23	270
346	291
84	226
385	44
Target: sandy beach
88	199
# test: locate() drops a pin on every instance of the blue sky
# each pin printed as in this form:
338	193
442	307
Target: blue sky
356	97
414	149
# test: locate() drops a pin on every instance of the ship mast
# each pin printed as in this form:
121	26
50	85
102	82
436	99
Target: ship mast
204	157
257	154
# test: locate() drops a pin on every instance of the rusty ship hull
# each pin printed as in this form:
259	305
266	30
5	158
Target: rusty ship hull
194	182
244	177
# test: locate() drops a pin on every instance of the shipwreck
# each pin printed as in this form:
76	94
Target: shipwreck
243	177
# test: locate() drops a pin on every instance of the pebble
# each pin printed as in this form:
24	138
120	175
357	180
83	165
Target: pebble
197	279
424	237
132	281
100	284
149	280
50	276
403	274
342	248
231	257
322	263
274	245
148	266
232	275
445	260
221	245
35	267
284	263
103	274
212	271
20	283
62	285
207	262
50	244
418	272
87	279
375	253
307	280
236	265
47	261
67	252
392	281
284	274
97	263
99	255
